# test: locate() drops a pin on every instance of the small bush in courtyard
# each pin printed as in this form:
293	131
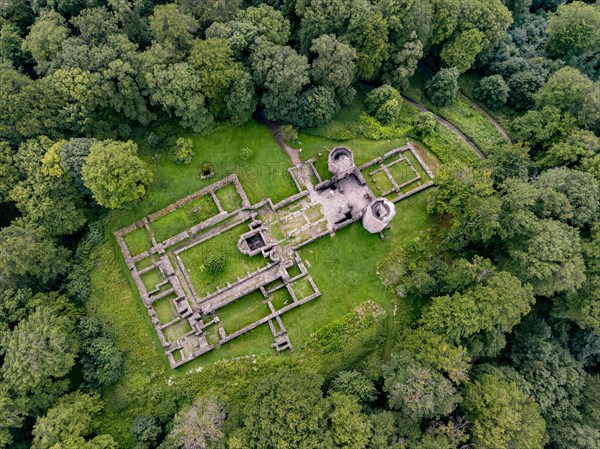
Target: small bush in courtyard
214	263
246	154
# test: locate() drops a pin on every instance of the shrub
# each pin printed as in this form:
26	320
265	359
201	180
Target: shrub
214	263
493	91
152	140
385	103
183	152
289	133
246	154
443	87
424	124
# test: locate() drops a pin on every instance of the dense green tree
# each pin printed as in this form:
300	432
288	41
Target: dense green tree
542	127
252	25
368	34
349	428
581	190
356	384
315	107
498	302
552	376
571	92
216	69
493	91
443	87
509	161
574	29
490	17
39	352
101	360
45	39
146	431
446	14
114	174
286	410
416	390
424	124
95	24
199	425
51	202
433	350
523	85
462	50
11	415
171	26
282	73
178	89
11	42
545	253
334	66
70	419
467	195
323	17
29	257
241	99
9	175
503	416
72	157
403	62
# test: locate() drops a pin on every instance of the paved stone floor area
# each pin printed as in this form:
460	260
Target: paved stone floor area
186	305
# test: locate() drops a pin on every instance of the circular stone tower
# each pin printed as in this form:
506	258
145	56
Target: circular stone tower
378	215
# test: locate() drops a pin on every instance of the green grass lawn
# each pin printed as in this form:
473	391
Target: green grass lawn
460	113
237	264
343	267
229	198
183	218
138	241
243	312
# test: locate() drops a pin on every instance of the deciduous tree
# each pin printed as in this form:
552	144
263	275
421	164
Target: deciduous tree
114	174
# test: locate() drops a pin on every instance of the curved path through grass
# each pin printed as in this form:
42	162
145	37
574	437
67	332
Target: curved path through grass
448	125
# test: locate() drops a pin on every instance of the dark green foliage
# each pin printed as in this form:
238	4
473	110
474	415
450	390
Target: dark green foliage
384	103
285	410
316	107
424	124
39	352
214	263
146	431
66	424
28	257
502	415
183	151
575	29
282	73
493	91
355	383
417	390
102	361
334	67
443	87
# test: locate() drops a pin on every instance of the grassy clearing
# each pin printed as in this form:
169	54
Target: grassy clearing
343	267
183	218
243	312
165	309
460	113
229	198
138	241
237	264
